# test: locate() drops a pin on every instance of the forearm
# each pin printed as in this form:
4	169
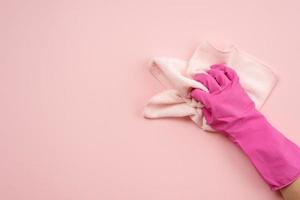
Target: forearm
275	157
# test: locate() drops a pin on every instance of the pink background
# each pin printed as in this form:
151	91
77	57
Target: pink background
74	80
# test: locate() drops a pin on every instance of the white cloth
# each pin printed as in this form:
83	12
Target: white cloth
256	78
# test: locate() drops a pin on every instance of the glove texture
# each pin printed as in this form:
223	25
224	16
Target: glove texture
228	109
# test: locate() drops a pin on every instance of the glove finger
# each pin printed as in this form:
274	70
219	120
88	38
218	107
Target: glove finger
208	81
229	72
201	96
220	66
220	76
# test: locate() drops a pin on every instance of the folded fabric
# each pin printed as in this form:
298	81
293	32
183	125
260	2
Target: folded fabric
175	74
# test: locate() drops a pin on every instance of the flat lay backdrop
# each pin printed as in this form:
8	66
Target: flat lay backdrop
74	79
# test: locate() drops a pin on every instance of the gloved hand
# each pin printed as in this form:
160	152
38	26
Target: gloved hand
229	110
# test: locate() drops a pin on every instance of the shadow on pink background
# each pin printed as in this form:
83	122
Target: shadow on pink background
74	80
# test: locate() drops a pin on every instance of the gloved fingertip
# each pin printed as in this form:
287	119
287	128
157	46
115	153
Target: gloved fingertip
199	77
231	74
220	66
220	76
199	95
194	93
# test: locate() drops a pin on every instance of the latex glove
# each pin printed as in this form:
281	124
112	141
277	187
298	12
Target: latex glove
228	109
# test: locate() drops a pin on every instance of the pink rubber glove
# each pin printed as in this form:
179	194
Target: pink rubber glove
229	110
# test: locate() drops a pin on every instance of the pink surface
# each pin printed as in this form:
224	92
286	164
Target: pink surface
69	131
